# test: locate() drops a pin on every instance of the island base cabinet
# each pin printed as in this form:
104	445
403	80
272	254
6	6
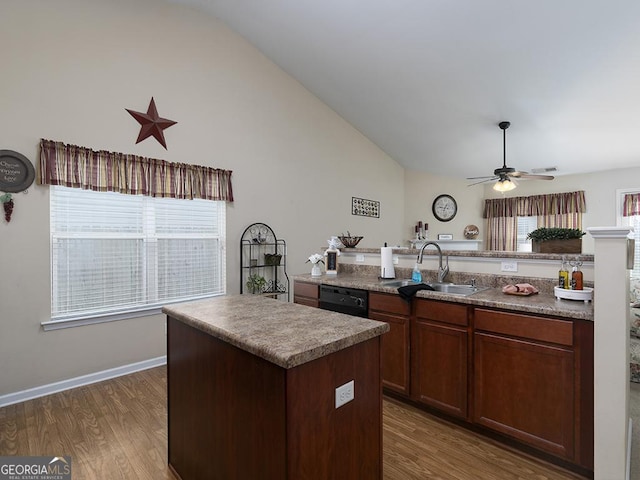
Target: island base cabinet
525	390
328	442
235	416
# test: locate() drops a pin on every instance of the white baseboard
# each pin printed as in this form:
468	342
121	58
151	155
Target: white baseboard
17	397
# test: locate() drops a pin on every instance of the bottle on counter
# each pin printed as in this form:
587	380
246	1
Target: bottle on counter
563	275
416	276
576	277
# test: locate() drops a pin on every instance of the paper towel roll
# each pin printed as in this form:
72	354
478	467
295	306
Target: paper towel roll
386	263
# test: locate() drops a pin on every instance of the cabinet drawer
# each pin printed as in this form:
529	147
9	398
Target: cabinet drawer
309	290
525	326
442	312
385	302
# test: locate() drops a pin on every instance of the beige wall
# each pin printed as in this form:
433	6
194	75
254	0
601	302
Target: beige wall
600	193
420	191
69	70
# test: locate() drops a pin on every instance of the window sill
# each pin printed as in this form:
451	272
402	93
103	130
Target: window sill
82	321
59	324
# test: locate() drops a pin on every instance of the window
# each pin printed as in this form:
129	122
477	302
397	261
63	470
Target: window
526	225
634	221
116	255
631	219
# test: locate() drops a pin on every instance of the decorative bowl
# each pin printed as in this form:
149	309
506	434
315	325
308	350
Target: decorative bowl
350	242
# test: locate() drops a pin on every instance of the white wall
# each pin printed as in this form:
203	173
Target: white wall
69	70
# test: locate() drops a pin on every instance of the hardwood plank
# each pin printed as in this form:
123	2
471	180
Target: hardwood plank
117	429
417	445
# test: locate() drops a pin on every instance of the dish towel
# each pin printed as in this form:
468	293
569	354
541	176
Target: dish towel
408	291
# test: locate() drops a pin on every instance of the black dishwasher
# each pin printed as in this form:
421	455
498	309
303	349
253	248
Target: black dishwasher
352	301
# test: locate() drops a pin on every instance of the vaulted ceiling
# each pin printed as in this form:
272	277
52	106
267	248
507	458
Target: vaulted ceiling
429	80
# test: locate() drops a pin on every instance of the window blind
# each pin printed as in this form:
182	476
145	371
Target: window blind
114	253
526	225
634	221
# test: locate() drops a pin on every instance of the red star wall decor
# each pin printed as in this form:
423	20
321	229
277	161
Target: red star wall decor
152	125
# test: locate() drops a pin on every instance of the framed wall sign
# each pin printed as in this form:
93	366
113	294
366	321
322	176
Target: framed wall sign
364	207
16	172
445	236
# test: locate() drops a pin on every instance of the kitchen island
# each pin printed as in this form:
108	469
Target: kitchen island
253	389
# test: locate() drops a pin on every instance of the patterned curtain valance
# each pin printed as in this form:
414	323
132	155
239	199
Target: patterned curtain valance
80	167
535	205
631	204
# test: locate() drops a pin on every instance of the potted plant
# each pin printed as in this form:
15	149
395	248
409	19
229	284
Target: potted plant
256	283
556	240
316	259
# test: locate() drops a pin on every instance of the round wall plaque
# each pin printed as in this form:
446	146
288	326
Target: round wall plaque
16	172
471	232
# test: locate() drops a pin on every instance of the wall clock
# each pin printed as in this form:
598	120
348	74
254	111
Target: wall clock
444	208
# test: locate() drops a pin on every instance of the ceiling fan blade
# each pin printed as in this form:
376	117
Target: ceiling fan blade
478	178
490	179
531	176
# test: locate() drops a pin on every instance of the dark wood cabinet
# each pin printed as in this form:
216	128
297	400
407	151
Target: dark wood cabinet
306	293
440	358
234	415
525	378
395	348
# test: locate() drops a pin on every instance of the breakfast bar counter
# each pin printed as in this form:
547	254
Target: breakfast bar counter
256	390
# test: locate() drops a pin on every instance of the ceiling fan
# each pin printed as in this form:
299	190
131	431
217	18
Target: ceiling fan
504	175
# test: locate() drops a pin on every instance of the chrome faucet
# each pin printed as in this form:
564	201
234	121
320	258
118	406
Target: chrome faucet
442	271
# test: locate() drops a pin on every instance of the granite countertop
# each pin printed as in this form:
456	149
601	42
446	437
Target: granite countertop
282	333
410	251
543	303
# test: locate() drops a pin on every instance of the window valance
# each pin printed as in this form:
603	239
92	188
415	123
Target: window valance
631	205
535	205
80	167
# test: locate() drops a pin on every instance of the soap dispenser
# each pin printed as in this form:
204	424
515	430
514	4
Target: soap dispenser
416	276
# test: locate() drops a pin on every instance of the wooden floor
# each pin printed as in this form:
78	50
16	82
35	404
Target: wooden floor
117	429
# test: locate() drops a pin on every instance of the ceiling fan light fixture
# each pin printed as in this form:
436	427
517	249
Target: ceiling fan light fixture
504	185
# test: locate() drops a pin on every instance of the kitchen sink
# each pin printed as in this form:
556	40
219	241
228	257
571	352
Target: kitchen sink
451	288
455	289
398	283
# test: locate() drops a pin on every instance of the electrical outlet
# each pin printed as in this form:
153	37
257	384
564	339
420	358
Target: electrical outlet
509	266
396	260
345	393
359	257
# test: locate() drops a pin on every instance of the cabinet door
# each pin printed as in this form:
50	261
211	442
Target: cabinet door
394	350
305	293
525	389
439	366
440	358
